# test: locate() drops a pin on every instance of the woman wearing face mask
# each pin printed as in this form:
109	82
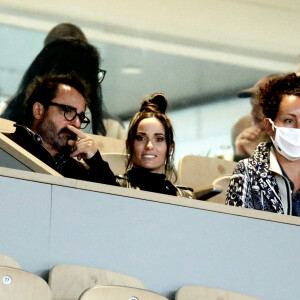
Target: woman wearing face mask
150	147
270	179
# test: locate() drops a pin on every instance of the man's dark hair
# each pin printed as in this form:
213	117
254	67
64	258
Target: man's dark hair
271	94
44	90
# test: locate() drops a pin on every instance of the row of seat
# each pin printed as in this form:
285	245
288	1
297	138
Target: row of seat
208	176
70	282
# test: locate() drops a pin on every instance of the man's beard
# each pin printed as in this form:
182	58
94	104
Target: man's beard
57	139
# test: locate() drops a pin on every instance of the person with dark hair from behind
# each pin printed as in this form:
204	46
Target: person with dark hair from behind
250	130
65	30
67	51
54	113
150	147
269	179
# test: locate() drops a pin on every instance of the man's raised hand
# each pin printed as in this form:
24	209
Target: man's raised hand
84	146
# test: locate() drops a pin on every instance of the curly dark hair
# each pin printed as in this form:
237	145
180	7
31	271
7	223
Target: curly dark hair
271	94
154	107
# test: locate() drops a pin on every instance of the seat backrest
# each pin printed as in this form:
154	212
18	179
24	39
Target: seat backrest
7	261
107	144
196	171
205	293
7	126
222	182
119	293
116	161
19	284
67	282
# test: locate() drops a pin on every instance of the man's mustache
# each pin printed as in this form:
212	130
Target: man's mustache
72	135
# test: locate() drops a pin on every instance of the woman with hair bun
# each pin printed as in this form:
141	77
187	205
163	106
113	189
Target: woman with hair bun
150	147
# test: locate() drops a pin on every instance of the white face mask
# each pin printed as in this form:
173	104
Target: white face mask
287	141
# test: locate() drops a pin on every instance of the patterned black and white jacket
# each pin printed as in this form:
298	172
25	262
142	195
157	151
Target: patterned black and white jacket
257	182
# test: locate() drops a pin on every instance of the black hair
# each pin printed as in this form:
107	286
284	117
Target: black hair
65	30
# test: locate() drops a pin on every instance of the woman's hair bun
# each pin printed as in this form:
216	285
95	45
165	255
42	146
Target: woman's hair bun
156	103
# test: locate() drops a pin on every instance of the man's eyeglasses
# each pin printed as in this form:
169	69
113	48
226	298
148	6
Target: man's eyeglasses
70	114
101	75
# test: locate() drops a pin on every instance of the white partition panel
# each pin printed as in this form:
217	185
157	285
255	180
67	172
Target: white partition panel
25	211
167	246
164	241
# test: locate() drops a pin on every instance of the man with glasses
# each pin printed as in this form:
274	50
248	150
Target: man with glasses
54	114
